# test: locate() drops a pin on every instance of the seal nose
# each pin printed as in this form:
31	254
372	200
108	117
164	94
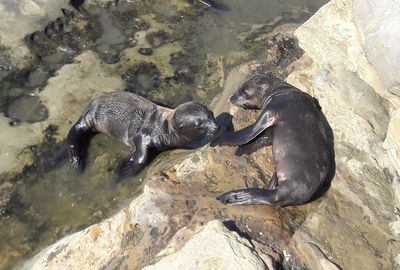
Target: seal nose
234	99
214	127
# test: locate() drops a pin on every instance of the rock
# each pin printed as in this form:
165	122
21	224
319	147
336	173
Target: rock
214	247
192	181
378	23
28	109
145	51
354	226
104	242
177	200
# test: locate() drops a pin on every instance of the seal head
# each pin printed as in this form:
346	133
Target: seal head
195	122
254	92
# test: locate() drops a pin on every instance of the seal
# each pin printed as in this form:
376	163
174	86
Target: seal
292	122
142	125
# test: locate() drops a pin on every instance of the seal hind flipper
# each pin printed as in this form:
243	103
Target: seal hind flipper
287	193
248	196
77	143
273	183
265	139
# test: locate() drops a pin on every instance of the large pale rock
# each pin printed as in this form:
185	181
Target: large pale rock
379	24
214	247
97	246
354	227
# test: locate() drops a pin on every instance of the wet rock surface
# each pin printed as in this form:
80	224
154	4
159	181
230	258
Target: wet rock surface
75	53
355	225
177	200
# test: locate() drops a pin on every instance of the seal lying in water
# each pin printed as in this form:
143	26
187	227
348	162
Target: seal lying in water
142	125
291	121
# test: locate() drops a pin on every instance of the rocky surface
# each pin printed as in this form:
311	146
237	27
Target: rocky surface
182	196
377	23
348	66
214	247
356	226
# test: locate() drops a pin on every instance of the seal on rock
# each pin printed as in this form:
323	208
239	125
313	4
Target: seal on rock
142	125
292	122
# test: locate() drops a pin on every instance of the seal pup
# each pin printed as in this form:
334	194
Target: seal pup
142	125
292	122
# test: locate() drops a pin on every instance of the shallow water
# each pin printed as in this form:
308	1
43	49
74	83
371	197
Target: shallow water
49	201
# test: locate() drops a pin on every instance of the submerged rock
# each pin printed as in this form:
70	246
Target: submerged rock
27	109
65	96
22	18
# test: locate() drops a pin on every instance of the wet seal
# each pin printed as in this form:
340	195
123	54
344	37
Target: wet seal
142	125
292	122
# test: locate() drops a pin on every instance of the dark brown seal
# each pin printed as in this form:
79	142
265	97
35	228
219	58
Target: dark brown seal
292	122
142	125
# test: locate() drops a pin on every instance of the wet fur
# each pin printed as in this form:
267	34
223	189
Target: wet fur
291	121
140	124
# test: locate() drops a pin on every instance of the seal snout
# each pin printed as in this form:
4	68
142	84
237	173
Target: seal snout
235	99
213	127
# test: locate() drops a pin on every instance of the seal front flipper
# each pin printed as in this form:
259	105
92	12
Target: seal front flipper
128	167
135	162
265	139
247	134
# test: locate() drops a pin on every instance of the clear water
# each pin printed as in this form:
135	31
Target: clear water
47	201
